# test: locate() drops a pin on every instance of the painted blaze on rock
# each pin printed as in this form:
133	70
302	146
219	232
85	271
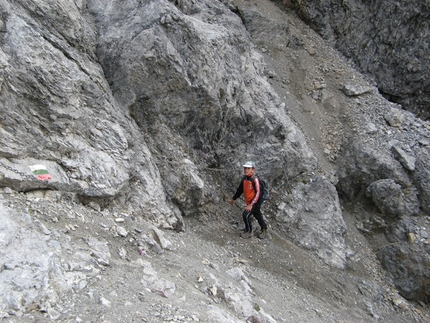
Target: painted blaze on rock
41	172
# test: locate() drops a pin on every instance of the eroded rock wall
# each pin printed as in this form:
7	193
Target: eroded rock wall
152	105
389	40
57	111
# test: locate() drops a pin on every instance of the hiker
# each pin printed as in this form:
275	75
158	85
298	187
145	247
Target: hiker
250	188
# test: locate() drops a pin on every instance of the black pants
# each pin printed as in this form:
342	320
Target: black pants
248	220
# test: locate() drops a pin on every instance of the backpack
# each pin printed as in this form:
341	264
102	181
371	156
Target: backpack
264	190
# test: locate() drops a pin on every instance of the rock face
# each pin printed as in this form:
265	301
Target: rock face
312	218
386	167
149	109
388	40
160	67
58	111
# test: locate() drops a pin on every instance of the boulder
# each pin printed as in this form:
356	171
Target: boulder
409	267
393	200
313	219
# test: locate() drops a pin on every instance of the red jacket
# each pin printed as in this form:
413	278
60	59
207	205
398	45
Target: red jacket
250	190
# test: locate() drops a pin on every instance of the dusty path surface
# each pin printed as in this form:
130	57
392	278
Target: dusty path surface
206	273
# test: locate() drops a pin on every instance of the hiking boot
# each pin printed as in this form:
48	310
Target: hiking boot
262	234
246	235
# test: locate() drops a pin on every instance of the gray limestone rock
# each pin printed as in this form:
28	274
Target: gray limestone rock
364	163
33	271
407	161
421	178
408	264
314	220
394	117
58	111
392	199
354	90
160	68
376	36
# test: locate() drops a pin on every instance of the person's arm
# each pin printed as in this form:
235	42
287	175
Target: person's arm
256	184
238	193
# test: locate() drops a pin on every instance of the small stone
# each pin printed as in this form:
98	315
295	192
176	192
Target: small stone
42	227
7	190
213	290
105	302
400	303
121	231
418	311
424	142
54	314
94	206
355	90
394	118
70	227
407	161
122	252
